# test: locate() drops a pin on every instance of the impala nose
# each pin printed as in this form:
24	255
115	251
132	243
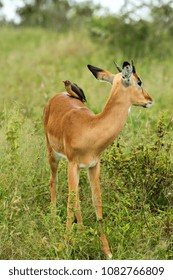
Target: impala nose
149	104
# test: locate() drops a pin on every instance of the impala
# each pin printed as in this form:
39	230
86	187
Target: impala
77	134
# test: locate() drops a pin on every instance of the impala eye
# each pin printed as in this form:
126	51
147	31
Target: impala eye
139	82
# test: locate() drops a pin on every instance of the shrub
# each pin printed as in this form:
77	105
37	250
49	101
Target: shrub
145	170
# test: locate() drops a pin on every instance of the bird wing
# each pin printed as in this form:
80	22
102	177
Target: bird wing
81	92
69	88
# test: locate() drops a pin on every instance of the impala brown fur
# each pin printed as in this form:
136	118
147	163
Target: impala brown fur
75	132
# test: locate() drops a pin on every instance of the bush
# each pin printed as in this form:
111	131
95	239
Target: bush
145	170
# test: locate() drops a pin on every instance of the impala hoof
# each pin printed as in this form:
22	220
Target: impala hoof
109	257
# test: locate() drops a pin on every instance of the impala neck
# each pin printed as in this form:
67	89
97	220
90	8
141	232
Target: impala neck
113	117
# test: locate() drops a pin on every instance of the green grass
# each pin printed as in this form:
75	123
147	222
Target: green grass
136	170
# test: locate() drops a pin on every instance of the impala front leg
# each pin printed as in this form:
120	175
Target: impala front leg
94	176
73	207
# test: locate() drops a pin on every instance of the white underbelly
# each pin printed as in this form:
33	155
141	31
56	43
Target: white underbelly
81	165
59	155
91	164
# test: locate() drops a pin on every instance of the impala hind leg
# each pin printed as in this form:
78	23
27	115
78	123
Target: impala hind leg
73	207
94	176
53	175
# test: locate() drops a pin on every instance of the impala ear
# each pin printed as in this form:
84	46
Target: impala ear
118	67
101	75
134	70
127	72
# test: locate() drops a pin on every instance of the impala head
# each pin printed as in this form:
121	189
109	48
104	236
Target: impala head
128	82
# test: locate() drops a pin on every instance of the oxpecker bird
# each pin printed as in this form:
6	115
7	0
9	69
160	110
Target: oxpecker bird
74	90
